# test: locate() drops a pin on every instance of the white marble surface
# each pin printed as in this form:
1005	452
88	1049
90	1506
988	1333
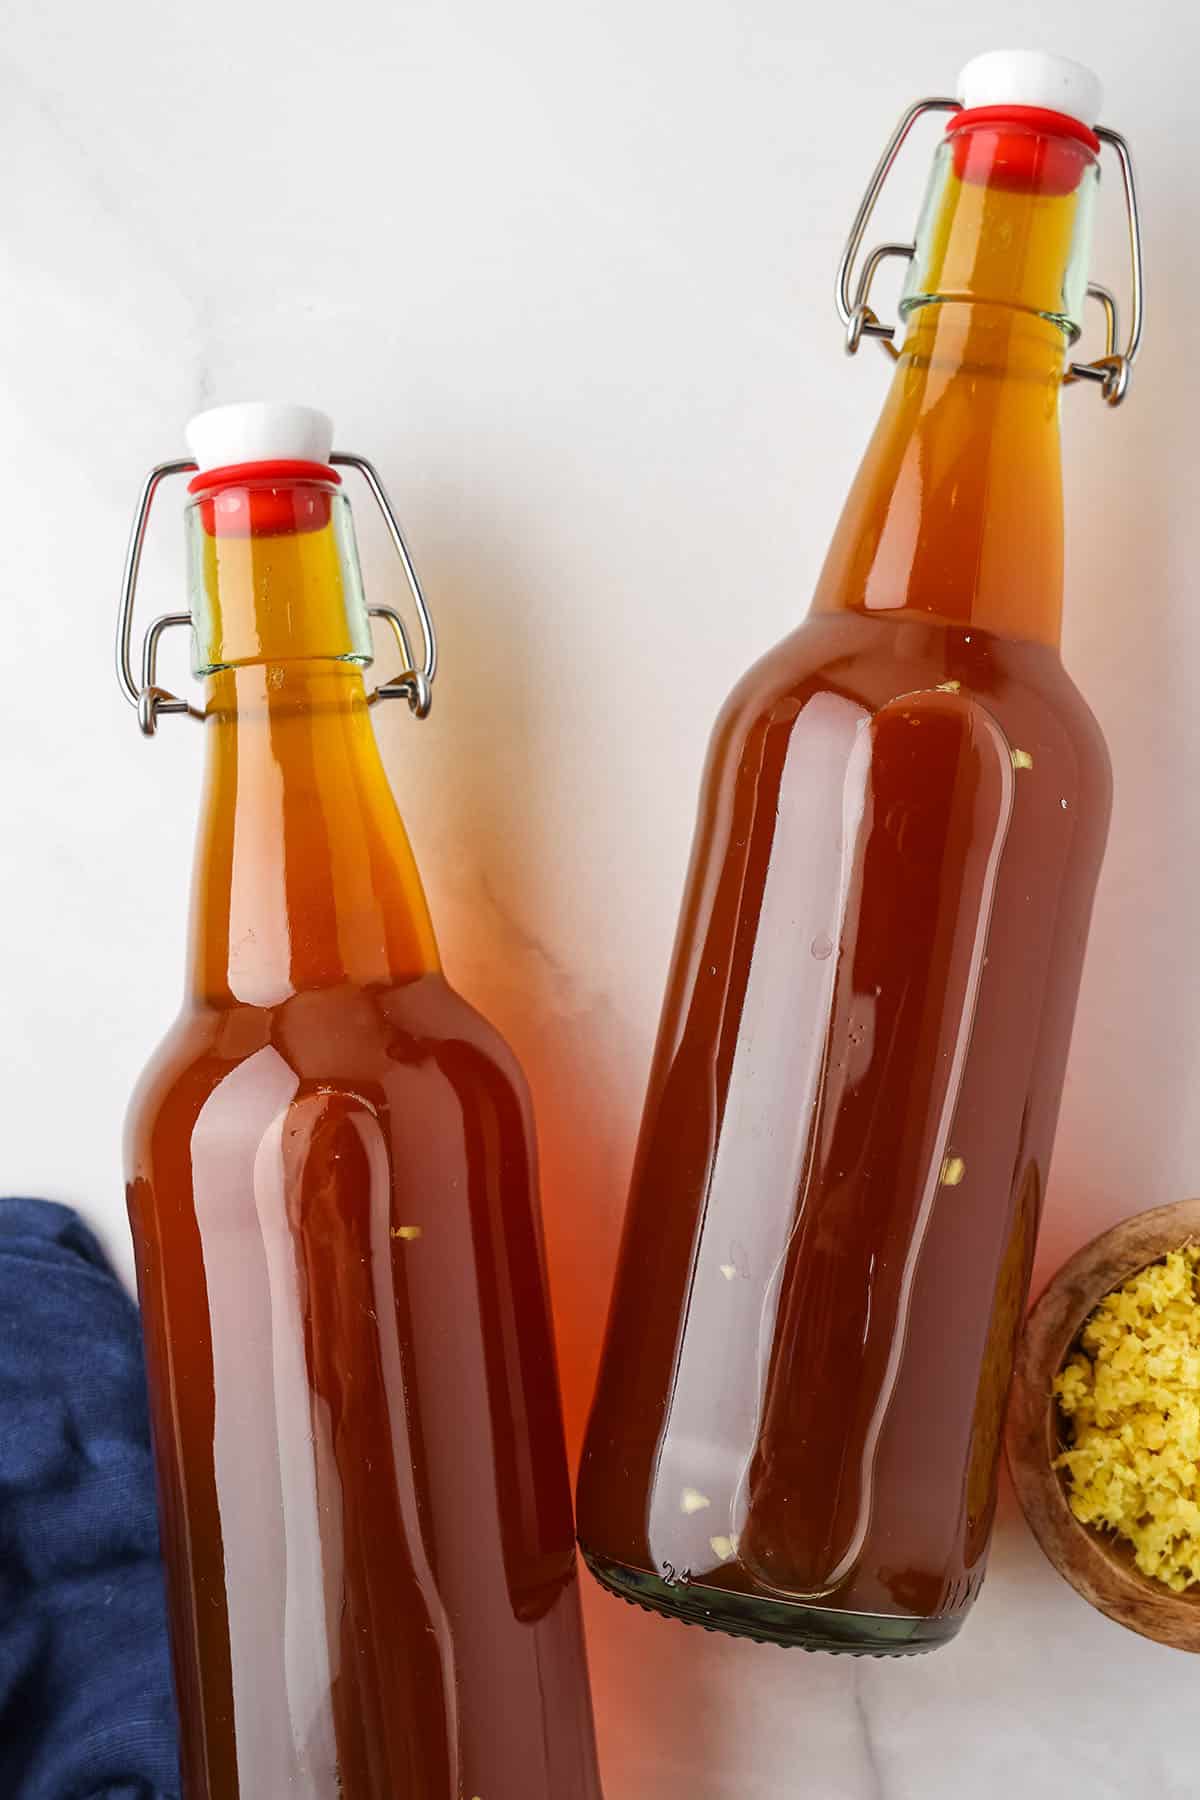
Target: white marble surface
564	272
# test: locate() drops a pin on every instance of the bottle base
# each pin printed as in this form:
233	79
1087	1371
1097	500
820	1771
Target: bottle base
784	1622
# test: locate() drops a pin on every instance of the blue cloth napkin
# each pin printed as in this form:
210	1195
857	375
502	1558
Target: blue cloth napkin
86	1708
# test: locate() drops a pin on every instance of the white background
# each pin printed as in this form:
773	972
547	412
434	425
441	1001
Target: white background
564	272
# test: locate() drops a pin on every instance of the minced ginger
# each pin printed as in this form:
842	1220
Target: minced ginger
1131	1396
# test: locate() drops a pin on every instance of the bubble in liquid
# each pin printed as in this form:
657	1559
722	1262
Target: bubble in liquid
822	946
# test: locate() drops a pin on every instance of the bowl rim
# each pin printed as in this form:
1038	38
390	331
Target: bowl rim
1094	1567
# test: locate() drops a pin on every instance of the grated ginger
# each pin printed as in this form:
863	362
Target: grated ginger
1130	1394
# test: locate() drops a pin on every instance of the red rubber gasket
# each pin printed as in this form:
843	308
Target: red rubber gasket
279	469
1026	149
264	499
1036	118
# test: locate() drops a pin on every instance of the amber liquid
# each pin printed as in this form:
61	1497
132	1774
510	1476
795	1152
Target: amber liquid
853	1100
366	1514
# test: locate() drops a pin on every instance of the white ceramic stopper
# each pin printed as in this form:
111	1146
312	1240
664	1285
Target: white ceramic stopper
1031	78
259	431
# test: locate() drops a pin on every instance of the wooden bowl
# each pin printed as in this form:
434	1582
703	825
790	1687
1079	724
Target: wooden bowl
1098	1566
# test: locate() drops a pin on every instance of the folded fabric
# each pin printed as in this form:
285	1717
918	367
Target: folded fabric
86	1708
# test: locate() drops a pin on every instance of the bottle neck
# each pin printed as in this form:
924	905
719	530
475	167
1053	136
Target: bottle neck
956	512
304	876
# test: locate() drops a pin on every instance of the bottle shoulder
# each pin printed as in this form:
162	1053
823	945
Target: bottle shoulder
872	664
377	1042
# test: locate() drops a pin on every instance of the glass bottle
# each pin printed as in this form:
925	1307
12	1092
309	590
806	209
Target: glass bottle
853	1098
332	1191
